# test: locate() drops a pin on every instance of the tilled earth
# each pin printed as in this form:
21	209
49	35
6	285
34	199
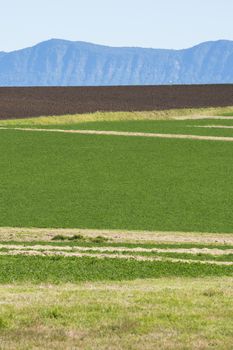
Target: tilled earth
43	101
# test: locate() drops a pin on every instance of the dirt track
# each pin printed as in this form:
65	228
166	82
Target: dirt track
107	249
126	133
46	234
42	101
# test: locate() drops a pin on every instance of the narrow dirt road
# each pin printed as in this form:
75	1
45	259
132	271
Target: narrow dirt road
126	133
107	249
214	126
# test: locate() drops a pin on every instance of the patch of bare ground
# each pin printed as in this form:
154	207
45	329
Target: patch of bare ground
24	102
46	234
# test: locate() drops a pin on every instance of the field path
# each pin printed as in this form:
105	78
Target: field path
107	249
126	133
213	126
46	234
200	117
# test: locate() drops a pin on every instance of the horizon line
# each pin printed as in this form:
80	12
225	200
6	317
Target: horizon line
117	47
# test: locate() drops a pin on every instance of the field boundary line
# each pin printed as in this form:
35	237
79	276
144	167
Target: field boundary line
126	133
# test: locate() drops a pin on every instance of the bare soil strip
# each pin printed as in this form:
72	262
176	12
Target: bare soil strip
193	251
112	256
23	102
47	234
126	133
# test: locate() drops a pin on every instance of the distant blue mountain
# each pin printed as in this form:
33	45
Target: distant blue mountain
65	63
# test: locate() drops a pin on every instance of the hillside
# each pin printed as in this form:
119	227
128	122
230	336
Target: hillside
65	63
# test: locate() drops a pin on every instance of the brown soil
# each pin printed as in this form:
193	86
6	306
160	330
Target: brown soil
42	101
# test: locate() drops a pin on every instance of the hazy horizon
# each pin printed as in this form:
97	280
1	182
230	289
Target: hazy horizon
161	24
113	46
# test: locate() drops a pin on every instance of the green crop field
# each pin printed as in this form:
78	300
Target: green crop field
108	182
118	240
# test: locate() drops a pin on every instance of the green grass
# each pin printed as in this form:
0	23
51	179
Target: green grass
187	127
104	182
64	180
154	121
147	126
228	114
37	269
168	313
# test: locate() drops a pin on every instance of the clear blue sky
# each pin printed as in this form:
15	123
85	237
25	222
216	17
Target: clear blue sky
147	23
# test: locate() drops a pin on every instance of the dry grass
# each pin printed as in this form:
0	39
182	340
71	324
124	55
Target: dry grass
109	249
112	116
151	314
47	234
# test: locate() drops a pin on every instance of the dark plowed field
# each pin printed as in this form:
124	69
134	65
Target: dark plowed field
32	102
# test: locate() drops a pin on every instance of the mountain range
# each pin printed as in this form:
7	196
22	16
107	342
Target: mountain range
66	63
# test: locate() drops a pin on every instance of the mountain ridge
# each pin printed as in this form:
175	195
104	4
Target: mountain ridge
59	62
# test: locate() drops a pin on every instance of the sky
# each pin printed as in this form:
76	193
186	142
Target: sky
173	24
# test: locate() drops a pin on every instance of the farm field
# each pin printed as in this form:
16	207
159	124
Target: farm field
89	291
167	313
67	180
22	102
206	127
117	241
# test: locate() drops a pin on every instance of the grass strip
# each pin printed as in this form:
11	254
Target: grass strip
36	269
94	243
120	116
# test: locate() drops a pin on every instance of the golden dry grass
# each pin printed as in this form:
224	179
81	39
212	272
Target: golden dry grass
113	116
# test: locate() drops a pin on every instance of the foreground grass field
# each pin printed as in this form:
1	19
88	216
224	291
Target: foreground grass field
91	282
124	295
167	313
